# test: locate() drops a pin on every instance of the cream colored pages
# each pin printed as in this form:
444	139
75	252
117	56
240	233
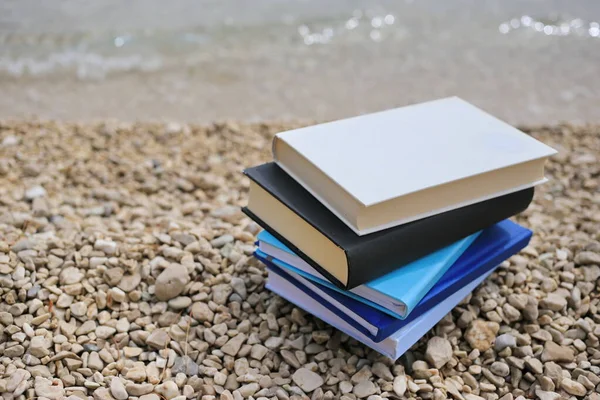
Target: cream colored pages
386	155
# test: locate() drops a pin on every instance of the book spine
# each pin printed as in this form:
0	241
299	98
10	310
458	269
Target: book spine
389	250
274	147
272	268
292	247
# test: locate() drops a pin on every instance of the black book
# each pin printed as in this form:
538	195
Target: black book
290	213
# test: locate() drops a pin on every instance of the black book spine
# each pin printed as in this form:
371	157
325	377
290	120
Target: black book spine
387	250
295	249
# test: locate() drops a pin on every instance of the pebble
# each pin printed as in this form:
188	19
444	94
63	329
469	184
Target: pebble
400	385
6	318
534	365
136	374
500	369
104	332
10	140
307	380
40	319
94	361
542	335
382	371
591	273
64	301
117	295
150	396
554	302
158	339
132	352
201	312
511	313
38	347
78	309
518	301
258	351
587	258
504	341
171	282
70	276
184	365
129	282
274	342
34	192
168	390
102	394
188	391
239	287
439	352
222	241
531	311
221	293
234	344
364	389
247	390
345	387
546	384
106	246
180	303
123	325
290	358
14	351
557	353
362	375
572	387
152	373
50	389
481	334
547	395
220	378
85	328
117	389
15	379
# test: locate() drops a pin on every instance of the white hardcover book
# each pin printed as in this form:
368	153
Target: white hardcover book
389	168
397	343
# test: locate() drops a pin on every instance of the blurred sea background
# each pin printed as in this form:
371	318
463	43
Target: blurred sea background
526	61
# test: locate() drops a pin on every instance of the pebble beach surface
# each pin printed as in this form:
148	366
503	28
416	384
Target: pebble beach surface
126	272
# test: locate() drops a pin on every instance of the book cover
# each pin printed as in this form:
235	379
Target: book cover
396	293
491	248
393	346
372	256
388	168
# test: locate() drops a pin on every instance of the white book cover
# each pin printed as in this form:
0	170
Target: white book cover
390	154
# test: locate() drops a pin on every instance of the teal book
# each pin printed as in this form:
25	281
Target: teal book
396	293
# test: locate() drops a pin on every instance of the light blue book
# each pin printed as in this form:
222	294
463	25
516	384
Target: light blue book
396	293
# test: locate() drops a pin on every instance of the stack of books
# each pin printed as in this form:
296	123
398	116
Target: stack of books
381	224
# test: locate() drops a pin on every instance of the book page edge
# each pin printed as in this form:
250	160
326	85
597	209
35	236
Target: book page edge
449	208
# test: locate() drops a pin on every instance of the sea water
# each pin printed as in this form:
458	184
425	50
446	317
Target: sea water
527	61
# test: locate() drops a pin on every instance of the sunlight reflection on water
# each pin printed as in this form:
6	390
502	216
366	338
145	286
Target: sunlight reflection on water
574	27
97	54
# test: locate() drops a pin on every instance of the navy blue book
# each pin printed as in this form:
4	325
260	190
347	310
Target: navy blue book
492	247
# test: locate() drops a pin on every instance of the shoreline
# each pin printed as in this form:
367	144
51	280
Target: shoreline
589	127
525	62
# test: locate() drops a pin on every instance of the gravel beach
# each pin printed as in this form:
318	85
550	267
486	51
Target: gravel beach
126	272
